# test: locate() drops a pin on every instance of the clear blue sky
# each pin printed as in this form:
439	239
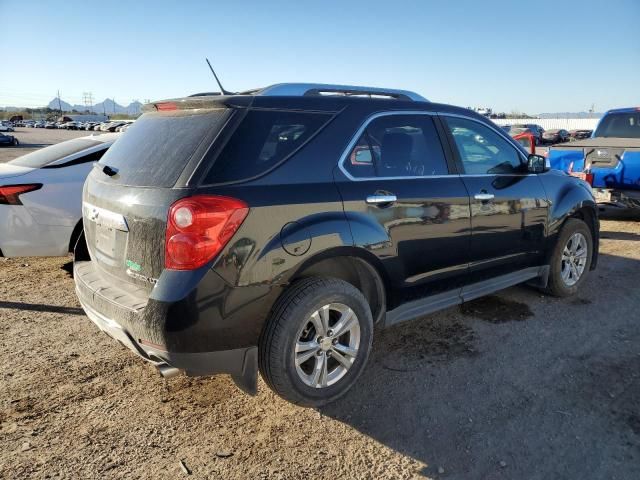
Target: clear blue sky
502	54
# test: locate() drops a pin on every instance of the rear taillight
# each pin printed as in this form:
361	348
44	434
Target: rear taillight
10	194
199	227
588	177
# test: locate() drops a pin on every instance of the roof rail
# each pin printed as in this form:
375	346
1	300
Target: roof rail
313	89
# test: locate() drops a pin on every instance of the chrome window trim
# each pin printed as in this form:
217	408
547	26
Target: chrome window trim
360	131
373	117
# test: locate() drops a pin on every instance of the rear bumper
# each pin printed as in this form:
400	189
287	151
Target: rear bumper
182	324
627	199
241	363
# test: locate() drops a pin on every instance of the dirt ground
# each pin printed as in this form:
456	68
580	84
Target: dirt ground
517	385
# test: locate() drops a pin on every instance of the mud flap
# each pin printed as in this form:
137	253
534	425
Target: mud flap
542	280
247	381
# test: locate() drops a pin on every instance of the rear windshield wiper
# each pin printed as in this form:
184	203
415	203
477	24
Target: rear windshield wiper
107	170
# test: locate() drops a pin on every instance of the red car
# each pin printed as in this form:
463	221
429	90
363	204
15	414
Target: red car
527	140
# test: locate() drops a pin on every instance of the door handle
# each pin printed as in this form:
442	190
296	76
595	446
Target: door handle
378	199
484	197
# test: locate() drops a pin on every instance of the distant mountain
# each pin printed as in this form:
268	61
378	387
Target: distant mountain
107	106
570	115
55	105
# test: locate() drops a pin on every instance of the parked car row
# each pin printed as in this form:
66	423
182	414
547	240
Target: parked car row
110	126
545	137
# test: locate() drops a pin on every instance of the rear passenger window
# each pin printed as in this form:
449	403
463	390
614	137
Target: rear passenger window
398	146
263	139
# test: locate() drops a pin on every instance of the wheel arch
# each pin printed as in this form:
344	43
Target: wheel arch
359	268
589	215
75	235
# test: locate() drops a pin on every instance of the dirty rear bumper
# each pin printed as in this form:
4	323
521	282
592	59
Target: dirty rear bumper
240	363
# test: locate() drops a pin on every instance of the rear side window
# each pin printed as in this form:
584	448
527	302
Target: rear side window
155	149
398	146
91	157
45	156
263	139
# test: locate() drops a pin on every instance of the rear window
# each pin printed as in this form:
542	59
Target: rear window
45	156
155	149
621	125
262	141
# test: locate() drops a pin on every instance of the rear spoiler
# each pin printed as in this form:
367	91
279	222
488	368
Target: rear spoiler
203	102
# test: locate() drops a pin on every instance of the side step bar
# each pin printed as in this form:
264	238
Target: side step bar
424	306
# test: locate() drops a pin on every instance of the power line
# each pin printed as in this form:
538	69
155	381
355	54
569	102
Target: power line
87	98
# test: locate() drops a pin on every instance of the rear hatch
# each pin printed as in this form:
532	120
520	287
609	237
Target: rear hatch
128	193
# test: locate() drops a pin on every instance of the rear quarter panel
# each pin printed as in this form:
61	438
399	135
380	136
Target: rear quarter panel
59	201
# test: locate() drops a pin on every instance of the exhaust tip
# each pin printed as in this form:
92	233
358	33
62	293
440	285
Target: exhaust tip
167	371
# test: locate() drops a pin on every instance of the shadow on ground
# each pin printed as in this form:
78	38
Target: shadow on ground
41	307
536	387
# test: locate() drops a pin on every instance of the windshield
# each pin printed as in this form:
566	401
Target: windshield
621	125
45	156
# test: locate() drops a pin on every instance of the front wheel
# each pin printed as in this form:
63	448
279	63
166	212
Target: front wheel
317	341
571	258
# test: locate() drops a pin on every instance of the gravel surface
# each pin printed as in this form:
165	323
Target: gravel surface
517	385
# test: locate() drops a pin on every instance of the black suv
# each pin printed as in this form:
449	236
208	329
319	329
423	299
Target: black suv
272	230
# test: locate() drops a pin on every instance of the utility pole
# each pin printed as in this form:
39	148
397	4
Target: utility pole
114	106
87	97
59	104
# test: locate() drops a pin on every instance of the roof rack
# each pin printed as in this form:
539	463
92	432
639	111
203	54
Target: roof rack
314	89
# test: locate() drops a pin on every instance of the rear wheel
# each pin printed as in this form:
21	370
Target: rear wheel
571	258
317	341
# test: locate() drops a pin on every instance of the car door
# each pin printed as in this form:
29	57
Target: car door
405	205
508	205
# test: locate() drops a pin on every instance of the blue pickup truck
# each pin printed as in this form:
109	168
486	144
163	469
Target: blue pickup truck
609	160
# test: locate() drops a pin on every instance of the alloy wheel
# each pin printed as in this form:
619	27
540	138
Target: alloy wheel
327	345
574	259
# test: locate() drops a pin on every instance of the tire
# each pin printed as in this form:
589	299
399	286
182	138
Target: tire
558	285
15	142
292	320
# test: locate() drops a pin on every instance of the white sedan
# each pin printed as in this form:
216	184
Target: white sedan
41	197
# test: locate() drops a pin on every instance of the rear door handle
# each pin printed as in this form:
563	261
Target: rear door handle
483	197
378	199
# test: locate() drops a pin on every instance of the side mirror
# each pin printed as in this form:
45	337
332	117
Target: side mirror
537	164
